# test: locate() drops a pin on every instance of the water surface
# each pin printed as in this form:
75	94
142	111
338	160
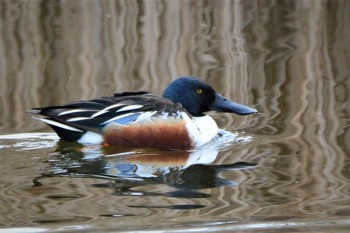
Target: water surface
285	169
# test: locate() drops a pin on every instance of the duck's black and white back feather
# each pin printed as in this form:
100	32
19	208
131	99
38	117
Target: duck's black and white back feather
74	119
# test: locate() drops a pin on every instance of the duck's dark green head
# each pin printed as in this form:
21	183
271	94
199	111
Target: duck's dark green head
197	97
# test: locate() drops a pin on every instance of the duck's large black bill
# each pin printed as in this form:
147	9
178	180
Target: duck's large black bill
221	104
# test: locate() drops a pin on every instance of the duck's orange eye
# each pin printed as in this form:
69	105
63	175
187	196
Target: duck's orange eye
199	91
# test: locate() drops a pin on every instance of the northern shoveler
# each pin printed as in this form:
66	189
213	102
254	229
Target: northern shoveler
142	119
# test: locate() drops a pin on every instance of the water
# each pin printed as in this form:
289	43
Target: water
285	169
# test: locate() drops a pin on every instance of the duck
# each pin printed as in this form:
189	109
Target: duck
174	120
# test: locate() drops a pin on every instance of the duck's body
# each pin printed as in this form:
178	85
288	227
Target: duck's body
142	119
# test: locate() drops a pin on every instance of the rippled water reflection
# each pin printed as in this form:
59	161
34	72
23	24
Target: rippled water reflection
287	170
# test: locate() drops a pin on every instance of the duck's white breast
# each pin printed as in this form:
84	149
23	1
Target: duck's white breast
201	129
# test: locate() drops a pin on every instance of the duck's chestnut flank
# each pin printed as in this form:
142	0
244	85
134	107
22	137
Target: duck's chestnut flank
142	119
170	133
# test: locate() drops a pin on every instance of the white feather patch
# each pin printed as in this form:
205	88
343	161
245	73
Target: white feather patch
61	125
75	111
98	113
91	138
78	119
106	109
113	106
145	116
126	108
130	107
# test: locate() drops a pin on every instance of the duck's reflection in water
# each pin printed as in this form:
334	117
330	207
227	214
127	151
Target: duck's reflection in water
124	169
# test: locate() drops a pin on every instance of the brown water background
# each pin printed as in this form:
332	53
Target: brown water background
288	59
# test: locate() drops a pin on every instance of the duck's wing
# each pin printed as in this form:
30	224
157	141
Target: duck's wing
73	120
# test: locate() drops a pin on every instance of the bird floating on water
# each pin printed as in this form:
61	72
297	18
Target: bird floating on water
174	120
